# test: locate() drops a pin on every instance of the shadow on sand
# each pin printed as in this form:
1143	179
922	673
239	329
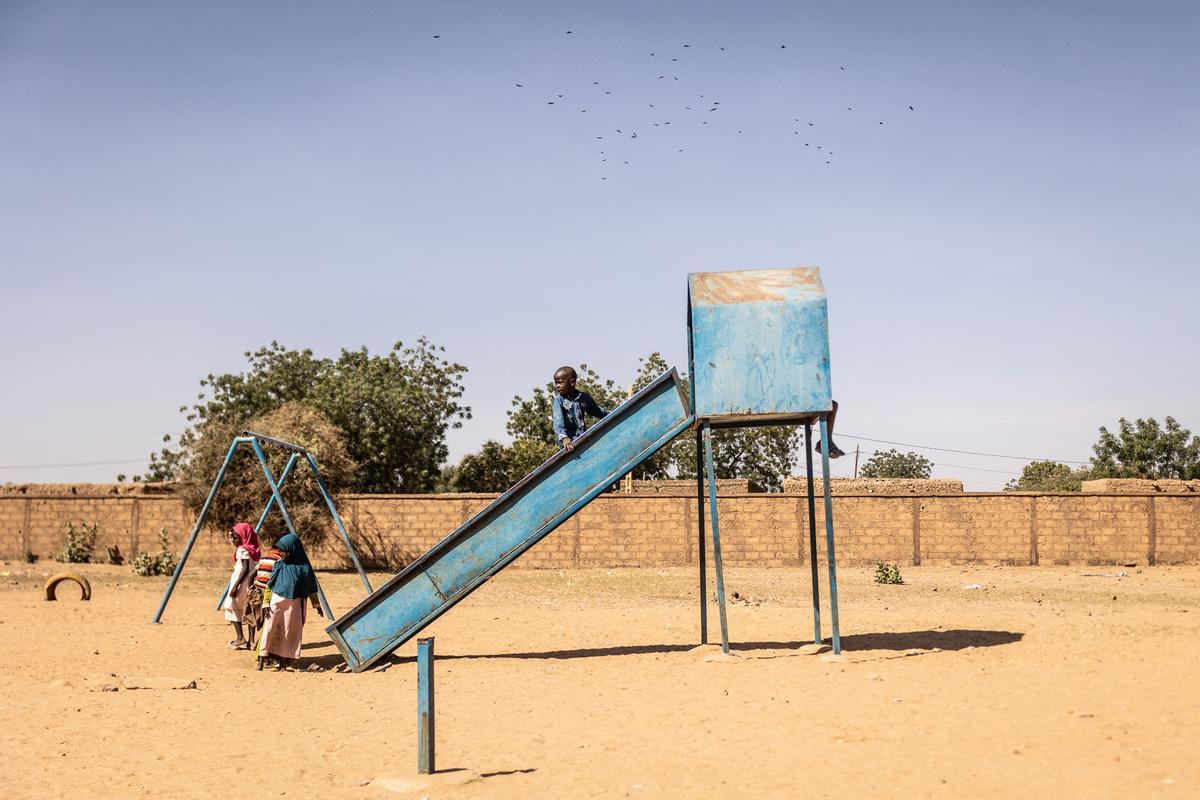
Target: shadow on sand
958	639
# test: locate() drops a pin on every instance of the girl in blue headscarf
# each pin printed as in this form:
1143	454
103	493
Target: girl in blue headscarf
292	582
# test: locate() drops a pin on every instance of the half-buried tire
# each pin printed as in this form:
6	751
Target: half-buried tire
52	585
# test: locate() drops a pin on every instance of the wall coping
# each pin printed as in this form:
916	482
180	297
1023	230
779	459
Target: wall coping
624	496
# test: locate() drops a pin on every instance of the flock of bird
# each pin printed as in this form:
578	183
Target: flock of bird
621	133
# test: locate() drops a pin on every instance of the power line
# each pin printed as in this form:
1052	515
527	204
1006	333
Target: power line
75	464
978	469
963	452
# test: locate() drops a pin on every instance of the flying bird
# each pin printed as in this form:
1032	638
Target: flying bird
437	36
519	86
910	108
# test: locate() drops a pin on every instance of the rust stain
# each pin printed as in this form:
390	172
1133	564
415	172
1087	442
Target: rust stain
752	286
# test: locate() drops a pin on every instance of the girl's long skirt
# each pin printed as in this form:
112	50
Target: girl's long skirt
283	627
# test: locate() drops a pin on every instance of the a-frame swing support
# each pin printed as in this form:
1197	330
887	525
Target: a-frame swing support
256	442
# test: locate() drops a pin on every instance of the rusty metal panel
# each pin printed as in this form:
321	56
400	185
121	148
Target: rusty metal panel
759	344
513	523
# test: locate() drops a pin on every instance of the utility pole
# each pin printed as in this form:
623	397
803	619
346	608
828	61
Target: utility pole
857	449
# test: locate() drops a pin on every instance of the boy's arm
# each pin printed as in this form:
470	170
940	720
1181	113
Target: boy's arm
593	409
560	428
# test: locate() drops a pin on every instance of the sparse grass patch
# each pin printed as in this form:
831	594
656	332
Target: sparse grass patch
888	573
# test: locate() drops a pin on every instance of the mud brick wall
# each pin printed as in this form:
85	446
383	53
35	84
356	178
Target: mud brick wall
650	530
1175	526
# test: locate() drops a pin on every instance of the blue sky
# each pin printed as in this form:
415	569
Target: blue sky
1009	265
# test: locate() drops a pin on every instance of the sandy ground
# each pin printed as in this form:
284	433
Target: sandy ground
1066	682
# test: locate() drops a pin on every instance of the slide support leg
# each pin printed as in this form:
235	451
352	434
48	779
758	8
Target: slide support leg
829	549
700	544
812	534
716	537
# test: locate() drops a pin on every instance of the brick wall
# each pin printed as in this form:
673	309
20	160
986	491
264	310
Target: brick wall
660	530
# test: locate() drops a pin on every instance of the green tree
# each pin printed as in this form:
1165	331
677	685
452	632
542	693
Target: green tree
1144	449
485	471
497	467
894	464
393	410
1048	476
244	492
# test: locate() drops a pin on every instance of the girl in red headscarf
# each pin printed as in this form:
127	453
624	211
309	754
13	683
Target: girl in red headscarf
245	561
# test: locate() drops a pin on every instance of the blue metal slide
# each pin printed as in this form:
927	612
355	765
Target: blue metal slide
513	523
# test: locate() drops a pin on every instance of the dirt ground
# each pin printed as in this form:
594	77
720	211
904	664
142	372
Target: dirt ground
1035	682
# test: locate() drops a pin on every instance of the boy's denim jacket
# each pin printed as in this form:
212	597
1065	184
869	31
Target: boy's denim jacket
568	415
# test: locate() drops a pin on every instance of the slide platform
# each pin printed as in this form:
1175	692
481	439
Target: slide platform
513	523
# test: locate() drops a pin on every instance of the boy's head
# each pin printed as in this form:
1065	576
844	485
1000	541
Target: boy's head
564	380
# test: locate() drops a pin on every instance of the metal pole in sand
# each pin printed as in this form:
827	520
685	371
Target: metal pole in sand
700	546
716	537
833	598
425	709
812	533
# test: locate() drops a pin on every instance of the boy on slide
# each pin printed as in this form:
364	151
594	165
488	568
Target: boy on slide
570	407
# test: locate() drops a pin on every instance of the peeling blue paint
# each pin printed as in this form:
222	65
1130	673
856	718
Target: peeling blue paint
759	344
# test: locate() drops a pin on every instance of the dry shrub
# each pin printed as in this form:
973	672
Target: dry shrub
244	493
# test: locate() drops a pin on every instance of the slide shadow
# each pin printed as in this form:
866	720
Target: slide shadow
956	639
